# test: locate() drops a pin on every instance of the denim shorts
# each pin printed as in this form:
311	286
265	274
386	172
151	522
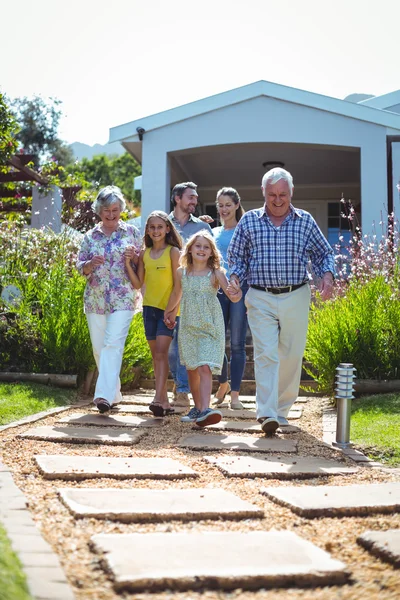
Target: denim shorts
153	319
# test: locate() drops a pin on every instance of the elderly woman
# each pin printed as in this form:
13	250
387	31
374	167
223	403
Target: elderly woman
109	295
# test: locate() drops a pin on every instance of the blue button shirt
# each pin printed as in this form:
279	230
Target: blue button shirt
272	256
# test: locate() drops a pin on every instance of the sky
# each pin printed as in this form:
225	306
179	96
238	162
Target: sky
111	63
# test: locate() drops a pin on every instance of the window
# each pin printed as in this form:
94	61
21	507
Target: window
338	226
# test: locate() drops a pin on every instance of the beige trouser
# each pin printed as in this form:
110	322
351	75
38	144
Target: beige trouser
278	324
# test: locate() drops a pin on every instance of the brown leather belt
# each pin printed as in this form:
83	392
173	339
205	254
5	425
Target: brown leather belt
279	290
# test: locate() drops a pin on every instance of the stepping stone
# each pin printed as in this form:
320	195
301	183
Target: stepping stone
279	467
235	442
245	398
90	467
136	399
83	435
115	421
301	400
385	544
249	427
138	505
126	408
336	501
238	414
295	413
135	409
217	560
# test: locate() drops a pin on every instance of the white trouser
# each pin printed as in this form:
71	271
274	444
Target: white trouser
278	324
108	334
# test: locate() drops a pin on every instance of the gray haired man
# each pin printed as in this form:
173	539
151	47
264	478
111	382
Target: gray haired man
271	248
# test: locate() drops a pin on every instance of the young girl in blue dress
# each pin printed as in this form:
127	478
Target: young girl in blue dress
201	328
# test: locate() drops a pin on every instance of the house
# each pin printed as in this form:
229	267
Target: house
333	148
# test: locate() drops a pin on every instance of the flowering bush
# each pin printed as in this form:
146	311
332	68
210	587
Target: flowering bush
43	328
361	323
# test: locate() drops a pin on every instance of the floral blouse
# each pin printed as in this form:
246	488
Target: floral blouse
108	287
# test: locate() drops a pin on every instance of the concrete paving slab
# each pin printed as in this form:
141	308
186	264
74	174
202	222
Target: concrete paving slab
90	467
114	421
235	442
29	543
43	589
135	409
137	399
385	544
141	505
337	501
279	467
228	413
249	427
223	560
294	414
16	503
39	559
84	435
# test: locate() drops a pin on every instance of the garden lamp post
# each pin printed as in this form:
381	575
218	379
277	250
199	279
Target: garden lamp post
344	394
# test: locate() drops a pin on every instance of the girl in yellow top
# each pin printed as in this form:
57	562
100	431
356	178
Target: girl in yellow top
157	267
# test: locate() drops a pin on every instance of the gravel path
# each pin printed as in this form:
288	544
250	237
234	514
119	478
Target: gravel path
70	538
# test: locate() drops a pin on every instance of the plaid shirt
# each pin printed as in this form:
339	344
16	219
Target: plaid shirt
272	256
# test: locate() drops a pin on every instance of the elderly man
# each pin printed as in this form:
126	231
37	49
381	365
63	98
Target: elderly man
271	248
184	199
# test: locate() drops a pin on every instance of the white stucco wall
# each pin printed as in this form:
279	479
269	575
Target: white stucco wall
265	119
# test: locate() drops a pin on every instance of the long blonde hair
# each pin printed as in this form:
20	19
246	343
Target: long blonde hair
213	263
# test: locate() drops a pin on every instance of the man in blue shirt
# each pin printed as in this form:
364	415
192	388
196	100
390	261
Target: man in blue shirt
184	199
271	248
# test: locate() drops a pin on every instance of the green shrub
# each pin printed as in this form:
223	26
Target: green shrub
361	327
137	352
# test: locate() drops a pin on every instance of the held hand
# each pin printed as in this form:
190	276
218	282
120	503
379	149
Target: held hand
206	219
233	286
326	286
129	253
96	261
169	319
136	254
233	291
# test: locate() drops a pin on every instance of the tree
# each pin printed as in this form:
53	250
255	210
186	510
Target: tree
8	132
104	170
39	121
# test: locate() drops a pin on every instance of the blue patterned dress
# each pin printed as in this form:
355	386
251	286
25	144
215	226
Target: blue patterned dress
201	330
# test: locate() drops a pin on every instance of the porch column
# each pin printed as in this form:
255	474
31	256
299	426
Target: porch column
374	206
46	208
396	180
155	180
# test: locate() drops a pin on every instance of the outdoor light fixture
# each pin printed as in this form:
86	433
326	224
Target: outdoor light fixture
344	394
271	164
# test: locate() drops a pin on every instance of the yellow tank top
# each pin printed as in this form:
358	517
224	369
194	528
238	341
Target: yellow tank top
158	279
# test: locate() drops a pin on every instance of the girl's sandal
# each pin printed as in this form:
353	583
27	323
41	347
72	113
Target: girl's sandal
157	409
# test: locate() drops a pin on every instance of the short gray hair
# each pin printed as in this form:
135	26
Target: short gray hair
274	175
107	196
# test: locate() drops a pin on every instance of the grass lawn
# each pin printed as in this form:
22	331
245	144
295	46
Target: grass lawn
18	400
375	426
12	580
